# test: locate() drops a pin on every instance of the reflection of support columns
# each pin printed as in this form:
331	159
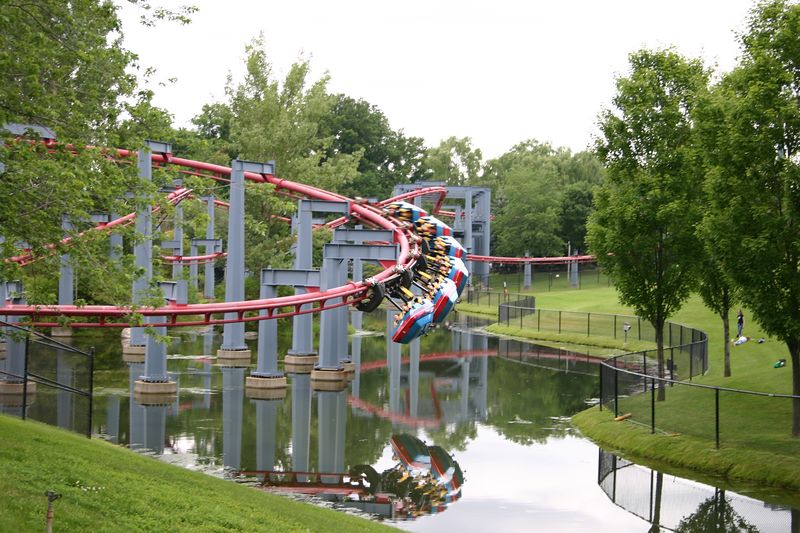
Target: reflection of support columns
465	389
208	282
65	375
112	418
232	414
483	382
331	428
266	376
301	421
233	345
393	356
155	424
355	351
66	282
136	411
413	376
266	420
526	280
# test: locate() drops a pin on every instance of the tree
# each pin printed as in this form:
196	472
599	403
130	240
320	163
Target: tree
643	227
750	130
715	515
455	162
388	157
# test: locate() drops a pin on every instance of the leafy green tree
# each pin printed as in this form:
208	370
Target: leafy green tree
715	515
643	227
388	157
455	162
750	130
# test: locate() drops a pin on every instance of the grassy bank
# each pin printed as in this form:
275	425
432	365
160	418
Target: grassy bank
755	433
108	488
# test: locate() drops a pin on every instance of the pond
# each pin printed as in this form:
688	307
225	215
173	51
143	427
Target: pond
476	436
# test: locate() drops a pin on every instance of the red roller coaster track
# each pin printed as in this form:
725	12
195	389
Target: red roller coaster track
248	310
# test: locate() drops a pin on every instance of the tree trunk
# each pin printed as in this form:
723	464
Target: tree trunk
726	331
794	351
660	350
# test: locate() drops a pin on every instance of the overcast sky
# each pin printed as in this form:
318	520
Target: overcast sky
497	71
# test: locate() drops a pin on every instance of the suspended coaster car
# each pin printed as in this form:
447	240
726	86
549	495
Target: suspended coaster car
430	227
416	320
405	211
452	268
448	246
444	299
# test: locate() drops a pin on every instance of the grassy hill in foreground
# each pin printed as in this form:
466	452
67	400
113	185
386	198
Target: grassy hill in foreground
108	488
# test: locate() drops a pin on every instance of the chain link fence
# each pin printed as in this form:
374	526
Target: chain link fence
46	380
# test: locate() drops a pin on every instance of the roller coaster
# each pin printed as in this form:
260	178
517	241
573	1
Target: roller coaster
428	258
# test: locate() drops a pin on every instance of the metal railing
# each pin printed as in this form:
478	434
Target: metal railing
63	377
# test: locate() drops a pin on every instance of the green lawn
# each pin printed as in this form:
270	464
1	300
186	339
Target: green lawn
108	488
755	432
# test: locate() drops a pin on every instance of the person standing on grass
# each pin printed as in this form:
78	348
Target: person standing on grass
739	323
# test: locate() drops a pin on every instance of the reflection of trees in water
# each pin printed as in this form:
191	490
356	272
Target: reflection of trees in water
716	515
522	400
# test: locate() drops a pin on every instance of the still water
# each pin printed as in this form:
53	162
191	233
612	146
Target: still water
499	409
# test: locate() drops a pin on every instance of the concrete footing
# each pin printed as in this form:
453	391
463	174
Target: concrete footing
265	394
349	366
328	379
127	349
224	357
151	399
61	332
300	363
155	387
257	382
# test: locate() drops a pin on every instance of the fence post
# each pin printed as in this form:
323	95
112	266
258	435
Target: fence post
691	364
538	320
25	376
588	324
615	326
91	390
639	322
716	410
559	321
616	390
600	379
653	405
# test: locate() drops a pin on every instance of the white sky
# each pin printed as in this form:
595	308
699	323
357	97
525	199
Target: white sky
498	71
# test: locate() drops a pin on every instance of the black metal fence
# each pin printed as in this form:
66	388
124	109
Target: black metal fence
55	386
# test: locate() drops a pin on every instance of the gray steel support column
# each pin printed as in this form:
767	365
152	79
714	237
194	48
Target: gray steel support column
193	269
266	420
155	425
65	375
301	421
526	280
16	346
66	277
485	214
326	428
208	282
267	365
329	332
303	325
356	316
112	418
155	356
413	376
233	333
573	273
342	315
469	242
232	415
115	241
177	236
136	411
143	247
